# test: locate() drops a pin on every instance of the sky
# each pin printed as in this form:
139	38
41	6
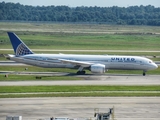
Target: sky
75	3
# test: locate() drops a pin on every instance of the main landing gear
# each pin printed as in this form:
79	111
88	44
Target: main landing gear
144	73
81	72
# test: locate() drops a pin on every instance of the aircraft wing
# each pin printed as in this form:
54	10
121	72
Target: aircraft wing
80	63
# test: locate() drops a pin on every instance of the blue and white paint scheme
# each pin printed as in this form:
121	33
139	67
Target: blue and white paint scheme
94	63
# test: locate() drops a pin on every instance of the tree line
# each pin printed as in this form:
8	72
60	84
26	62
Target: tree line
133	15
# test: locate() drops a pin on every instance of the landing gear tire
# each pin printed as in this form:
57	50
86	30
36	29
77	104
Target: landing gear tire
81	72
144	74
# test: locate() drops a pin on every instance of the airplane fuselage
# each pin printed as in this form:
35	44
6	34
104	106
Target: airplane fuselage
110	61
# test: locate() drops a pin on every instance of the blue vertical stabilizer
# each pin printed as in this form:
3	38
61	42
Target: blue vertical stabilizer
19	47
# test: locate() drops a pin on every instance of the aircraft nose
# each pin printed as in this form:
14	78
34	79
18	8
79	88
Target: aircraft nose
155	66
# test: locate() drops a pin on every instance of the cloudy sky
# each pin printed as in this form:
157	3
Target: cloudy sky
74	3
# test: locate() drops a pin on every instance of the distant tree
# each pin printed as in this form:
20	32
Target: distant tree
133	15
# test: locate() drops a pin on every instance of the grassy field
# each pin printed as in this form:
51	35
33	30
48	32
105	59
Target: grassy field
77	91
36	77
87	42
82	36
60	36
85	88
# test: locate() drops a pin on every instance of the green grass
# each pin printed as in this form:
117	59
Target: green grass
88	42
36	77
85	88
78	91
82	36
19	69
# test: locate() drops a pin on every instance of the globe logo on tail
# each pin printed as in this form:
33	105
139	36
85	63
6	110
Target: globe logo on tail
22	50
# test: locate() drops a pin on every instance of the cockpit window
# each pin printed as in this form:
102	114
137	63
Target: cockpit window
150	61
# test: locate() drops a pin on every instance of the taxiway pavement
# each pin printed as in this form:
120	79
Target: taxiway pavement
126	108
108	79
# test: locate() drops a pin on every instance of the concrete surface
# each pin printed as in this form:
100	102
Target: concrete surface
108	79
126	108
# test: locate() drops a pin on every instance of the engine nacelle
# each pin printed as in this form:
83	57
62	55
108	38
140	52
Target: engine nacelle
98	68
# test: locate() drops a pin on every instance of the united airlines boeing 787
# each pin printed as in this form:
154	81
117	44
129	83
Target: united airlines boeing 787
94	63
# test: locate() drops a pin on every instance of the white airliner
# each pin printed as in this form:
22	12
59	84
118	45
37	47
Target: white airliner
94	63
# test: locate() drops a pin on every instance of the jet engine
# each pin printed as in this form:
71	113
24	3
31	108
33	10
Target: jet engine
97	68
